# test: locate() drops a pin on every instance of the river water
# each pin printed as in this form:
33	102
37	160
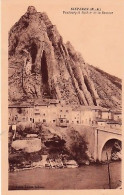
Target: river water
85	177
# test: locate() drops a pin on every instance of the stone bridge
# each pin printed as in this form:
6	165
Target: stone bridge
104	140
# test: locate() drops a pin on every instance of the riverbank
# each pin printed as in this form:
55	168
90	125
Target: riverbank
52	146
85	177
69	164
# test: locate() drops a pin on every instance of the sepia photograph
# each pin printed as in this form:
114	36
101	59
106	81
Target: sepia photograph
64	72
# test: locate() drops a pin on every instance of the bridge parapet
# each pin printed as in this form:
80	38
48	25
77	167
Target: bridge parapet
110	130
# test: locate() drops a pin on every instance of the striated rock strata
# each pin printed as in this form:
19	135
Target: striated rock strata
42	66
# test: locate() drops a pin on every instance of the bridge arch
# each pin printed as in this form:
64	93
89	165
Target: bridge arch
108	147
106	140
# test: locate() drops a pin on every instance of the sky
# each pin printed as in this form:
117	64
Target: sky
99	38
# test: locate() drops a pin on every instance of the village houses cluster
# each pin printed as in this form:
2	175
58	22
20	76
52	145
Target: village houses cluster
56	112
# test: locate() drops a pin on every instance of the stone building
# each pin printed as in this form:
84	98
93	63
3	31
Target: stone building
75	117
101	122
117	115
46	111
87	115
20	113
41	112
64	117
106	113
54	112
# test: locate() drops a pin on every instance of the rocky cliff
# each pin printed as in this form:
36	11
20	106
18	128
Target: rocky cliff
42	66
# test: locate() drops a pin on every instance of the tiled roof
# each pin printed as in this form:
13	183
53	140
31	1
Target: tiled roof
82	108
101	120
117	112
17	105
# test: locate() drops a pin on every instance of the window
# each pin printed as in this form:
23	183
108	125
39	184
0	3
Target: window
61	121
54	121
66	110
37	113
44	120
77	121
44	114
67	121
16	117
60	110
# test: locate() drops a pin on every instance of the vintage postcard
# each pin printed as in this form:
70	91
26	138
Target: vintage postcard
62	96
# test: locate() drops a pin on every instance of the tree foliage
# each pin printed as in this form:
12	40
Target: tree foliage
77	146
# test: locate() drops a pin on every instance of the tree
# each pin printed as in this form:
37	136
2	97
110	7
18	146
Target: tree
77	146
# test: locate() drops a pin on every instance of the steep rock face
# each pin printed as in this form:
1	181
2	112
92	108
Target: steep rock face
42	66
108	87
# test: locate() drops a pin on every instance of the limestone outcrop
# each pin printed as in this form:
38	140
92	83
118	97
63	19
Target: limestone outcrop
42	66
27	145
